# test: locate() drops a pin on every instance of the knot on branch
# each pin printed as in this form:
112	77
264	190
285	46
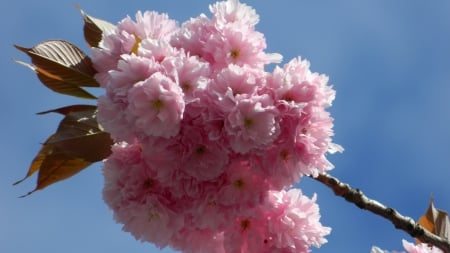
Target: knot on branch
390	212
417	231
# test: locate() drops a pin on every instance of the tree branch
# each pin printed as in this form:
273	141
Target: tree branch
404	223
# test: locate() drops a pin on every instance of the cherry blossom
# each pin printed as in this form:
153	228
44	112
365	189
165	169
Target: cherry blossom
410	248
208	143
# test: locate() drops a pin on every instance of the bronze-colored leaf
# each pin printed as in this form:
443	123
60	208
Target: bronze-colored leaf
53	165
71	108
77	143
94	28
36	164
436	221
80	135
62	67
57	167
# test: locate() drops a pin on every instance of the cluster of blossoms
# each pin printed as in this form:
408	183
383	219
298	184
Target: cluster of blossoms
209	144
411	248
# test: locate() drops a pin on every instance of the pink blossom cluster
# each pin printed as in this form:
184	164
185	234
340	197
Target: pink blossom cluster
209	144
411	248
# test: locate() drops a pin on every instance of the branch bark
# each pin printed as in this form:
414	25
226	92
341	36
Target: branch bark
404	223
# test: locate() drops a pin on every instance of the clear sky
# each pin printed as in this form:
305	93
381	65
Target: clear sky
388	60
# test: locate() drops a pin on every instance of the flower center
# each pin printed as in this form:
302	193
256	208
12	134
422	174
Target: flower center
288	97
149	183
304	131
248	122
186	86
200	150
157	104
239	183
245	225
152	215
135	47
235	92
284	154
234	54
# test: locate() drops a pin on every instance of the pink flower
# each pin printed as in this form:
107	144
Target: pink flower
130	70
137	199
286	222
199	241
297	84
151	221
235	80
210	115
228	38
313	140
293	221
232	12
202	159
159	152
282	161
242	188
193	36
212	141
252	124
239	46
378	250
156	106
214	217
112	117
157	50
106	56
247	233
126	39
191	73
115	172
420	248
111	47
411	248
236	40
150	24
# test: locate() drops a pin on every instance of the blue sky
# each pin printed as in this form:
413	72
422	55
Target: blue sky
388	60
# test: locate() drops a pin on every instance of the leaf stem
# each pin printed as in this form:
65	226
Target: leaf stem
407	224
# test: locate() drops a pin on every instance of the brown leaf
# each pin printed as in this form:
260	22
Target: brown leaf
62	67
80	136
71	108
77	143
57	167
36	164
94	28
436	221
